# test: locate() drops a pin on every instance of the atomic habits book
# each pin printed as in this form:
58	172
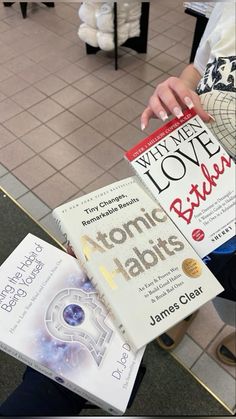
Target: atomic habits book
145	271
52	320
193	178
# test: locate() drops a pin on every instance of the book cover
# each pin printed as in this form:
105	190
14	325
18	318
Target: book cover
52	320
193	178
144	269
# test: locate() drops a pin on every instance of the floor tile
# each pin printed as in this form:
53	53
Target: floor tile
4	73
216	378
177	33
89	84
104	180
33	73
74	54
107	123
28	97
106	154
164	62
36	208
128	84
55	190
65	123
13	186
173	16
21	124
160	25
18	64
71	73
13	85
108	74
188	352
128	109
85	138
142	95
68	96
108	96
82	172
40	138
127	137
180	51
205	326
2	97
53	63
3	170
91	63
45	110
50	84
87	109
60	154
8	109
7	53
121	170
15	154
50	226
34	171
6	137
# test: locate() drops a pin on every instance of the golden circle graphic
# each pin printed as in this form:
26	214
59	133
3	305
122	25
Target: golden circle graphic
192	268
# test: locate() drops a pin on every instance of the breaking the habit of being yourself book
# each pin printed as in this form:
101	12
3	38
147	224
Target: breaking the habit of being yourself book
193	178
52	320
145	271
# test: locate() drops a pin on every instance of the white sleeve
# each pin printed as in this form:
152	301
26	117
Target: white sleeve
204	50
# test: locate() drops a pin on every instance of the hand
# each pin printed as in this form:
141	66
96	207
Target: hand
172	97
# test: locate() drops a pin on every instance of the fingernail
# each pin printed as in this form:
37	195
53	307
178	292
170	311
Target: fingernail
143	126
178	112
188	102
212	119
163	115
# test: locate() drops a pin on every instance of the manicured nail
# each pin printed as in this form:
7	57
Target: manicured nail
212	119
178	112
143	126
188	102
163	115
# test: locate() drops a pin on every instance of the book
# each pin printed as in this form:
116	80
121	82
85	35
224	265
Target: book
52	320
191	175
143	268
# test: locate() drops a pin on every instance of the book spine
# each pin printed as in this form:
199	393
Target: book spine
101	296
66	383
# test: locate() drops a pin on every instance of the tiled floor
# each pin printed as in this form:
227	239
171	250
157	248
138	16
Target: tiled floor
66	119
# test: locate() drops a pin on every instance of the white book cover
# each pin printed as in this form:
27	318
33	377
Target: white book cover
52	320
191	175
144	269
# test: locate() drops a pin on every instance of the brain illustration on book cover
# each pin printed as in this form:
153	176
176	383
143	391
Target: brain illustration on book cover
79	307
73	328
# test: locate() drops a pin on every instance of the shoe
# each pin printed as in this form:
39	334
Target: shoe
226	350
175	334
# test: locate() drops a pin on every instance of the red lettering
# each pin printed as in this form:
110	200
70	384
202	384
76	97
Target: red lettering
198	196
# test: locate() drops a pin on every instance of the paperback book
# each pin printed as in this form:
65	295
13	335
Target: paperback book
193	178
53	320
145	271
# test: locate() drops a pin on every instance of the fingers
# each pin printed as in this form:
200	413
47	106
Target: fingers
145	117
172	97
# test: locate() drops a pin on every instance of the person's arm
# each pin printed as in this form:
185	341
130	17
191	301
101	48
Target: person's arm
173	95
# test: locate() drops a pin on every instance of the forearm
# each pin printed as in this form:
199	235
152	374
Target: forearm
191	77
